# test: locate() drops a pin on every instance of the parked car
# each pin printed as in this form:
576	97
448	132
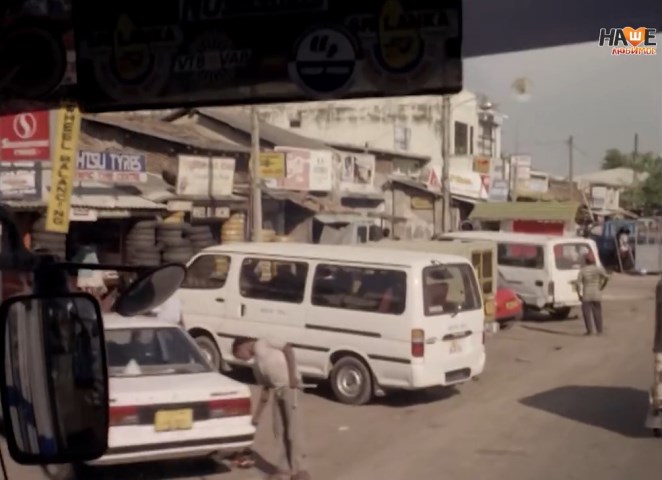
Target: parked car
509	308
166	401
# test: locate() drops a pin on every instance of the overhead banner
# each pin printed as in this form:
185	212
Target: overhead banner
211	177
108	167
198	52
63	168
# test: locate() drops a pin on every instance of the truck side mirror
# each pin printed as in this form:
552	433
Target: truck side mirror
54	383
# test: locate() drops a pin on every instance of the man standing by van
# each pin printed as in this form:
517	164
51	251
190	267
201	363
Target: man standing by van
275	370
591	280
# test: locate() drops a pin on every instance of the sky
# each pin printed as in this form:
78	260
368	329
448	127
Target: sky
579	90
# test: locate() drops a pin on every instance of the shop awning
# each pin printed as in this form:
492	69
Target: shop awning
408	182
535	211
113	202
376	196
332	218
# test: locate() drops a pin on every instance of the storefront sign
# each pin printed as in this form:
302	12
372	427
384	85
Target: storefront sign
468	184
481	165
313	168
20	180
203	212
179	206
357	172
205	176
63	168
499	191
108	167
422	203
25	136
272	165
83	215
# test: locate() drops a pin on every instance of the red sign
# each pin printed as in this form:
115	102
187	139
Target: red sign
25	136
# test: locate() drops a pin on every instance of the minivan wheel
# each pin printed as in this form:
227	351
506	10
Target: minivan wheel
351	381
560	313
209	350
63	471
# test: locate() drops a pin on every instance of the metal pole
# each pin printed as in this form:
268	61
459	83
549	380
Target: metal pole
256	191
571	166
445	167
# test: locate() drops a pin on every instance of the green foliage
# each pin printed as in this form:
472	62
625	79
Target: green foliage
646	197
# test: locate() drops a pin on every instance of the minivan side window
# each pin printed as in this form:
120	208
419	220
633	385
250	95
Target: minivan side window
570	256
450	289
207	272
522	255
356	288
275	280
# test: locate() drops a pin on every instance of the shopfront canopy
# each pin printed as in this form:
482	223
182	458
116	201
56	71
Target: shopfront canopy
530	211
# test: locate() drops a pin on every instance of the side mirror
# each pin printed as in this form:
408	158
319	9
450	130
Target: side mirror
54	384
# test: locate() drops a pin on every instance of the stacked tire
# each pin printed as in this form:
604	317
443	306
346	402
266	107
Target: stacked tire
234	228
176	248
199	236
55	243
141	244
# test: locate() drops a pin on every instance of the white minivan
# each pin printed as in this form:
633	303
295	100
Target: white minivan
541	269
369	320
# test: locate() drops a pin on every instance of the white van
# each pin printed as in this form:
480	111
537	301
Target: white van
366	319
541	269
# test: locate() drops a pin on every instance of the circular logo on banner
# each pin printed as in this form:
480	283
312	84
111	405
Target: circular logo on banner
325	62
25	125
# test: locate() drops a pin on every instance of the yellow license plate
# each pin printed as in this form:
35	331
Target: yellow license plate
511	305
456	346
168	420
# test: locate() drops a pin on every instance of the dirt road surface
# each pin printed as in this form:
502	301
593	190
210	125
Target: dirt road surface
551	405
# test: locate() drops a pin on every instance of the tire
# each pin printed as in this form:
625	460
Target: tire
171	227
209	350
197	230
142	237
196	237
657	432
560	313
145	225
179	243
132	246
351	369
177	258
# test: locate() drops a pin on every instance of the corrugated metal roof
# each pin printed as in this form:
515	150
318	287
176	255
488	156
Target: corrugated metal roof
180	134
408	182
541	211
114	202
382	151
269	133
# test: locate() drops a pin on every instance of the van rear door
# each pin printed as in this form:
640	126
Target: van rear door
453	322
568	258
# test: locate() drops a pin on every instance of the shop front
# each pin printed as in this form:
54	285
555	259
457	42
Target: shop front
546	218
468	188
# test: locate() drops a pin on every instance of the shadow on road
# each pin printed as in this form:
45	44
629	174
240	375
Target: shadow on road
552	331
620	410
159	471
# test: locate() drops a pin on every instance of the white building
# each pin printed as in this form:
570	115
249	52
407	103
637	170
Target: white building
406	124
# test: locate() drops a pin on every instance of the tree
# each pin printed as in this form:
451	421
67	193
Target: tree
647	195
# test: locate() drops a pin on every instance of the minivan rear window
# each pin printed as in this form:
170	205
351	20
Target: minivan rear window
570	256
449	289
523	255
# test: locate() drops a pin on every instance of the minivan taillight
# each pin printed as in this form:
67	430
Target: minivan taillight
230	407
550	288
417	343
123	416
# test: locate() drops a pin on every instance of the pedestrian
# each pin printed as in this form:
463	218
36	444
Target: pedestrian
591	280
276	372
624	250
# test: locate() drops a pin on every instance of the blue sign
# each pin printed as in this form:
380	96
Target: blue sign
111	167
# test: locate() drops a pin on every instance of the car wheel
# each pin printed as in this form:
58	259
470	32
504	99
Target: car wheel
560	313
209	350
351	381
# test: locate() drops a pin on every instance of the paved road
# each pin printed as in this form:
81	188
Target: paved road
551	405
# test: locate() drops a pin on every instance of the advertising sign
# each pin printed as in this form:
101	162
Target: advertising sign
205	176
522	166
499	190
25	136
272	165
357	171
108	167
63	168
198	52
297	170
20	180
319	166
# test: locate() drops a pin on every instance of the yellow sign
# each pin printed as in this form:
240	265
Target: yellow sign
272	165
421	203
63	168
165	421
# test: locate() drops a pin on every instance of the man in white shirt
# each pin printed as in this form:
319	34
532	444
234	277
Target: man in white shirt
170	311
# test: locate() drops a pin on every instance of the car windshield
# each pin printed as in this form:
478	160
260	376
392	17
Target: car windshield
136	352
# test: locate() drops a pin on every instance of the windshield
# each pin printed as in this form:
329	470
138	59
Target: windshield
136	352
449	289
570	256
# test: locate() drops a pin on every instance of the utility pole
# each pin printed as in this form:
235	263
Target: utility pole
256	191
445	167
635	152
571	165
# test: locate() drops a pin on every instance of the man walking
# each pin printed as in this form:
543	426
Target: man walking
592	279
275	371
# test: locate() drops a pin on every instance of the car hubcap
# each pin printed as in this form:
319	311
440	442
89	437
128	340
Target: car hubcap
350	382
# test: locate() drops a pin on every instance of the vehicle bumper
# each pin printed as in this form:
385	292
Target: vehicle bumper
510	317
125	454
654	421
422	376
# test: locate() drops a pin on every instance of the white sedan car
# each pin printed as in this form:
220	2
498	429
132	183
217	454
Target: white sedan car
166	402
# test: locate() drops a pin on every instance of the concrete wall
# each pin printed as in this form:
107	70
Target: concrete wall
373	122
